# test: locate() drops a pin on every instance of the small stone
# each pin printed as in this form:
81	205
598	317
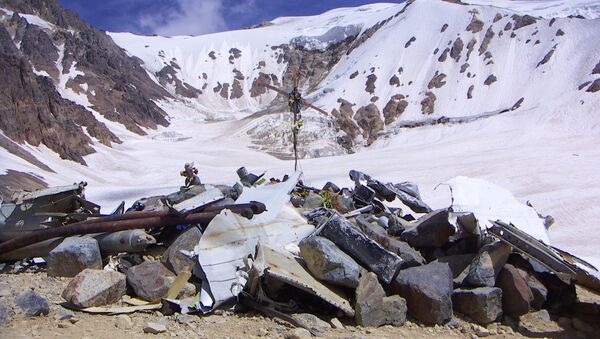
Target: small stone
297	201
4	315
150	280
313	200
72	256
74	320
337	324
481	331
186	319
32	304
539	324
63	314
123	322
62	325
154	328
95	288
327	262
312	321
298	333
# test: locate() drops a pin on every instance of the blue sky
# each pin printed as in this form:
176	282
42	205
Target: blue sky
173	17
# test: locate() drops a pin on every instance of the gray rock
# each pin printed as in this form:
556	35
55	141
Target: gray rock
154	328
297	201
74	255
516	294
92	288
150	280
409	255
173	258
428	292
63	314
373	308
459	265
298	333
327	262
123	322
483	304
337	324
540	292
431	230
313	200
32	304
313	322
361	248
4	315
538	324
487	264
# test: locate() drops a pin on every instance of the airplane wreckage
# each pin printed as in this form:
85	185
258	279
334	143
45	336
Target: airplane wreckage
279	247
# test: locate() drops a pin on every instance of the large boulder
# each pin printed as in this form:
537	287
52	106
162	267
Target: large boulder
459	265
32	304
173	258
428	292
92	288
516	294
483	304
361	248
540	292
327	262
74	255
487	264
373	308
150	280
313	200
431	230
409	255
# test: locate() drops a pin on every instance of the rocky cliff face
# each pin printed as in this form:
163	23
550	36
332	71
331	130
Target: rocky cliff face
64	79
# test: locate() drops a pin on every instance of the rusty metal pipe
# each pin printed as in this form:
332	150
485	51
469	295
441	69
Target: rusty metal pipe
108	226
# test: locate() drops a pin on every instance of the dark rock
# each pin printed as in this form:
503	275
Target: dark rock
431	230
168	75
490	80
427	290
428	104
369	120
487	264
373	308
594	87
540	292
327	262
394	80
444	55
149	280
313	200
522	21
475	25
409	255
32	304
444	27
471	47
489	34
596	69
409	42
172	256
516	294
560	32
74	255
437	81
456	50
354	75
546	57
362	248
497	17
470	92
483	304
236	90
394	108
370	84
92	288
459	265
297	201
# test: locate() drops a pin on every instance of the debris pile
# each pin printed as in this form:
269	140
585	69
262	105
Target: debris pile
373	254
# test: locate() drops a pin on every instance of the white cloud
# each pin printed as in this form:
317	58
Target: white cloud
190	17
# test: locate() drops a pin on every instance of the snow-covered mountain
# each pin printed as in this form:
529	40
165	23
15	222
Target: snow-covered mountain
422	90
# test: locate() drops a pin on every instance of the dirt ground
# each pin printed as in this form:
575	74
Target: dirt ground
224	324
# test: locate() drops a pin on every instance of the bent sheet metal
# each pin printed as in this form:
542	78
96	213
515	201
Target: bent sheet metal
282	266
230	239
